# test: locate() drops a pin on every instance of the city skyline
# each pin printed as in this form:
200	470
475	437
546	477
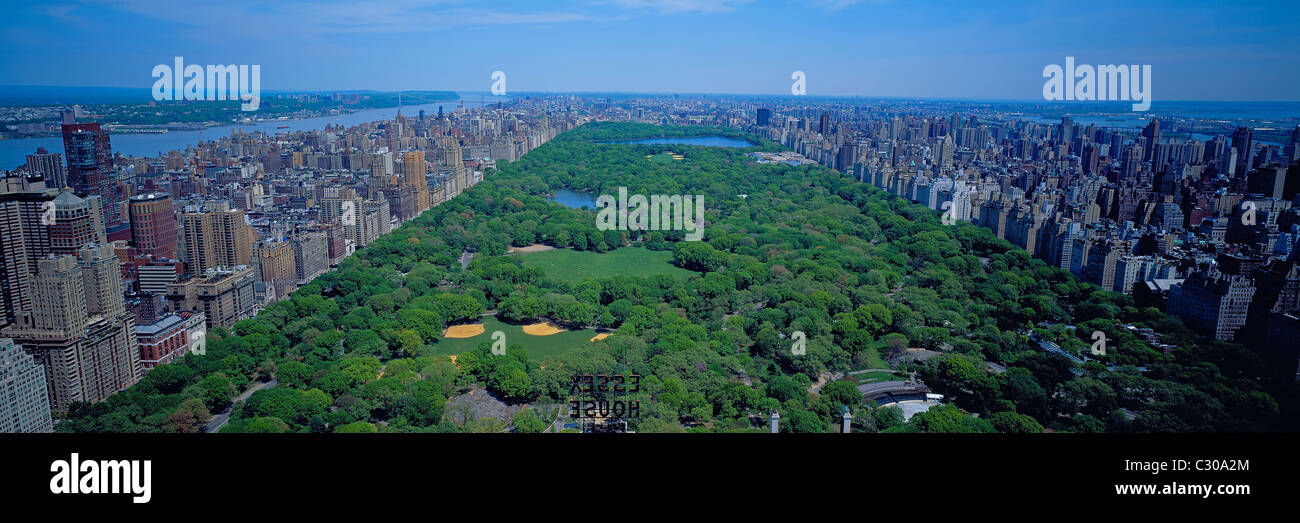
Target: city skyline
448	222
887	49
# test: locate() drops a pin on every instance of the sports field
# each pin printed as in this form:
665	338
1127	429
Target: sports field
538	347
574	266
665	157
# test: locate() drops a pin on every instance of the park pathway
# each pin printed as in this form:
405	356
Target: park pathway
220	419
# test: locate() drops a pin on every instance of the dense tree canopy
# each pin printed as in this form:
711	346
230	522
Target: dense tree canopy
865	276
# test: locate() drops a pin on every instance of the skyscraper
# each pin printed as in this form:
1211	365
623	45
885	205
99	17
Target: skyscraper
453	185
1152	133
22	203
764	116
1131	163
153	224
848	154
1212	301
24	401
1241	141
1090	158
90	167
275	266
414	174
77	222
216	237
78	327
25	209
49	166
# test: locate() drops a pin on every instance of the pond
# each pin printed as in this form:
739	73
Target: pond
574	199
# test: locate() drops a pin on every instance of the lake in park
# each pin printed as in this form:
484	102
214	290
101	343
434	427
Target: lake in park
574	199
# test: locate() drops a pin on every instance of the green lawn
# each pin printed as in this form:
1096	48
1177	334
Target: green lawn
538	347
575	266
875	360
663	158
869	377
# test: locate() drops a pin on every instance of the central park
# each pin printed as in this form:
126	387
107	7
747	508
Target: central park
401	334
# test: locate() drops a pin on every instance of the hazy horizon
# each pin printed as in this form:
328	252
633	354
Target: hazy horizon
513	94
1199	50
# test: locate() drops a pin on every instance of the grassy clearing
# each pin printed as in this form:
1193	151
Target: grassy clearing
875	376
575	266
538	347
665	157
875	360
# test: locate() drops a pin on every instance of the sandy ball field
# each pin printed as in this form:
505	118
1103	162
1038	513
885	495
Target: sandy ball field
536	247
463	331
600	336
542	329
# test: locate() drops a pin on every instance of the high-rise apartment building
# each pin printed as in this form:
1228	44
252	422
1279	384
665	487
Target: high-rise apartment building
49	166
224	296
78	327
275	266
415	173
24	402
25	210
90	167
216	237
77	222
1213	301
1152	133
310	255
153	224
1243	142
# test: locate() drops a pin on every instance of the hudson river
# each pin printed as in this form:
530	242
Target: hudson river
14	152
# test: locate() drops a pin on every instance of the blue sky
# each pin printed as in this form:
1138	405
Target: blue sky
1198	50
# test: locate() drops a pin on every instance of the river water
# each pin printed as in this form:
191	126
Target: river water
14	152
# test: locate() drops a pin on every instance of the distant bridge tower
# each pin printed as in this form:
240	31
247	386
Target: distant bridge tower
775	427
